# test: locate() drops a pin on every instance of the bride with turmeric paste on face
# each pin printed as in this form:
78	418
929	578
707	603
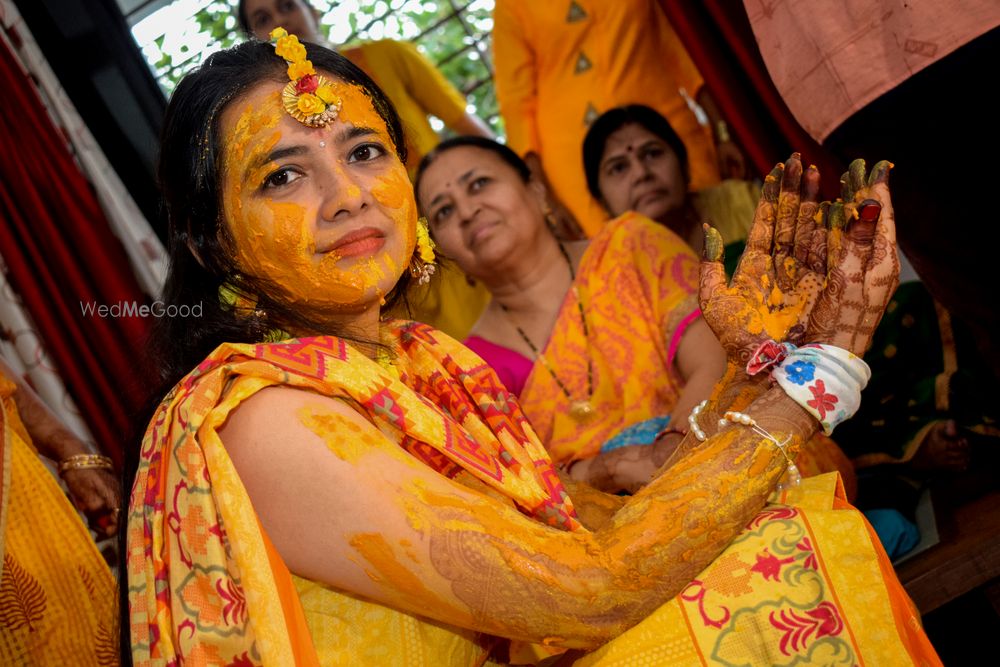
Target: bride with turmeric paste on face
320	485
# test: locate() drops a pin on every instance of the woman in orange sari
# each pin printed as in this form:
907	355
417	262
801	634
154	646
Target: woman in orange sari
321	486
602	340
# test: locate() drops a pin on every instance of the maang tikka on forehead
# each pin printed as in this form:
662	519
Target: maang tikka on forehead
308	98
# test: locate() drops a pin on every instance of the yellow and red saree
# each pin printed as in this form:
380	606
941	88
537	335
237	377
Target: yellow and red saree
207	587
636	281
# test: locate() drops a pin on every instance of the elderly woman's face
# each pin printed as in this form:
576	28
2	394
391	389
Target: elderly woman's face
479	209
326	214
640	172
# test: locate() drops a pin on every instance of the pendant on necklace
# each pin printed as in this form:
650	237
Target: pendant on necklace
581	411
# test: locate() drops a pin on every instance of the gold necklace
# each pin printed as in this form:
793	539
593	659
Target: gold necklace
580	409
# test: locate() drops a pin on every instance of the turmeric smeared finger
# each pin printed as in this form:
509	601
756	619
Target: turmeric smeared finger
713	272
885	229
714	250
789	200
836	218
761	234
856	178
880	173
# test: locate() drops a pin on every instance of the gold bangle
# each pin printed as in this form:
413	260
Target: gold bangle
84	462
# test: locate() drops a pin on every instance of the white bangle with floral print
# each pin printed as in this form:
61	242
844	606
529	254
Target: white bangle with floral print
825	380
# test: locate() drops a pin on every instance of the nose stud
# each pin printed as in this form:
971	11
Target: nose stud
322	144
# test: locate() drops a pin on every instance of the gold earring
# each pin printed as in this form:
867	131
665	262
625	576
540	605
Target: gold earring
422	265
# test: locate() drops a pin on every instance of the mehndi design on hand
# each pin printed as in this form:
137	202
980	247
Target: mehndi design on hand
811	272
863	261
781	272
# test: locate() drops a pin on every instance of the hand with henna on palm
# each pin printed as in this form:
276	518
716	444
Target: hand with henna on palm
811	273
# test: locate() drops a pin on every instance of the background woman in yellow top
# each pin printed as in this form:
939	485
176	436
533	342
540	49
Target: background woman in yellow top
416	89
560	64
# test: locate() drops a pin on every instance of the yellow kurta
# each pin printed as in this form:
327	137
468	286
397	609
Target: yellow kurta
58	601
559	65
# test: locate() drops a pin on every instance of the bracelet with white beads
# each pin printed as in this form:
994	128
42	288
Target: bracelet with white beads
693	421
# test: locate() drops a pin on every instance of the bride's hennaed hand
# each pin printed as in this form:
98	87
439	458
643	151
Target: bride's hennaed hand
781	273
862	259
811	272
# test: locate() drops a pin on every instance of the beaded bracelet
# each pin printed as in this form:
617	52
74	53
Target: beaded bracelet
693	421
734	417
85	462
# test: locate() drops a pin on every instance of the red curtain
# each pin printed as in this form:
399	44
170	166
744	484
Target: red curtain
60	254
718	36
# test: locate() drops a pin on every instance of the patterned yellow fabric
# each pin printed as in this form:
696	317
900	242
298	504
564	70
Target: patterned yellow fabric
350	631
559	68
198	560
806	584
638	282
804	581
57	596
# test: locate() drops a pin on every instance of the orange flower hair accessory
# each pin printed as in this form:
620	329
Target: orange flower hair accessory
308	97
